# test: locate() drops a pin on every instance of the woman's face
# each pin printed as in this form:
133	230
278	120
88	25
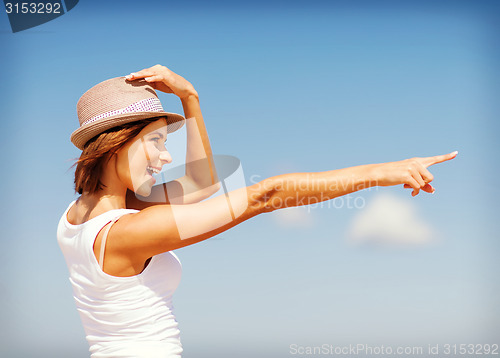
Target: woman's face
142	156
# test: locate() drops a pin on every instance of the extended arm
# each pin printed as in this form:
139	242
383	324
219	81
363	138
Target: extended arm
298	189
167	227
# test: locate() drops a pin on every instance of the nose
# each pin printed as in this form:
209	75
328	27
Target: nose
165	157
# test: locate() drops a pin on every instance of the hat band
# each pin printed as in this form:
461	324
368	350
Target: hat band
146	105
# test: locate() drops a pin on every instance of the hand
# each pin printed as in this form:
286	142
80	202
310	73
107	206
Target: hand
162	79
412	172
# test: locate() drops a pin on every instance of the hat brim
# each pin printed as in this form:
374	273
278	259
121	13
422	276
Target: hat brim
83	134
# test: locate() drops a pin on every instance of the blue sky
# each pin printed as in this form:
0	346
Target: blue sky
284	87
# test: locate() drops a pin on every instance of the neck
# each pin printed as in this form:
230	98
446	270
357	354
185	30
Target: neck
92	205
111	196
102	201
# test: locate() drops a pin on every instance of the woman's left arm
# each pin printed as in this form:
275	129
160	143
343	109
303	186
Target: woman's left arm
200	180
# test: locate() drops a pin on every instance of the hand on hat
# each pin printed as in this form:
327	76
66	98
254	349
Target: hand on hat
163	79
412	172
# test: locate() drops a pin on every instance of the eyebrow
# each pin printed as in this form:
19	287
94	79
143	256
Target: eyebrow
159	133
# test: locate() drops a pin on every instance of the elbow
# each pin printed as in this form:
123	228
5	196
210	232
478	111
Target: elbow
203	193
216	187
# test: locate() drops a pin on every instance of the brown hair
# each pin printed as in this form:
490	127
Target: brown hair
98	150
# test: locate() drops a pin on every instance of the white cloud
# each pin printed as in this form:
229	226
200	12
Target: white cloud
390	221
298	217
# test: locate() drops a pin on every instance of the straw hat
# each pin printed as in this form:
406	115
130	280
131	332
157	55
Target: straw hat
115	102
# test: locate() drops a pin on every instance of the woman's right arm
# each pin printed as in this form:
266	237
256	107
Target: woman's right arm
164	228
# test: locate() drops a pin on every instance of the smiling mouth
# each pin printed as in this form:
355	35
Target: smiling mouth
152	170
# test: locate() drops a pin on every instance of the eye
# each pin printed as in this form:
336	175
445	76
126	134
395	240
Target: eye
156	139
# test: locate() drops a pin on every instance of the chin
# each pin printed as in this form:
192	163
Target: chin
144	189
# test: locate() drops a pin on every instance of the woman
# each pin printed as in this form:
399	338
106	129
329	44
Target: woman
118	237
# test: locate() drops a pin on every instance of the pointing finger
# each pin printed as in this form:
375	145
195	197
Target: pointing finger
426	162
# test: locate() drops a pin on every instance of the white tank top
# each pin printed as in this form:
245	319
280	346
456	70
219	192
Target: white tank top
122	316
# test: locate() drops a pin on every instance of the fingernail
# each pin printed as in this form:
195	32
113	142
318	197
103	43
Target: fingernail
432	192
455	152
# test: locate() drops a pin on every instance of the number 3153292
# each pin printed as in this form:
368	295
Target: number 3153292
33	8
